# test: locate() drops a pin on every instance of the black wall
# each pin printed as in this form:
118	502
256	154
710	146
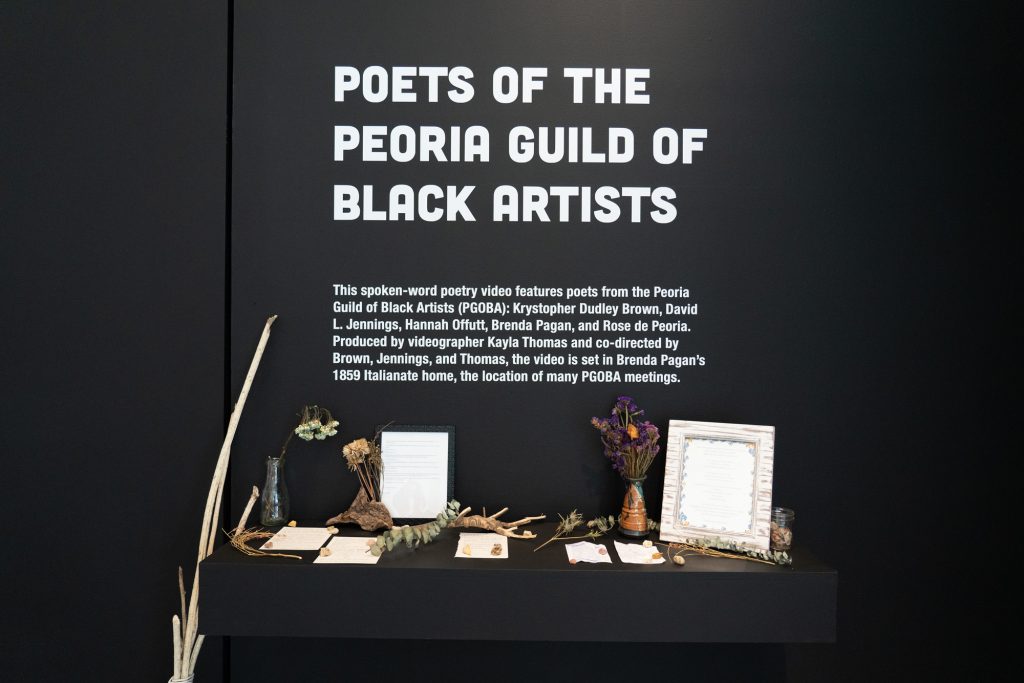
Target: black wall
115	282
113	348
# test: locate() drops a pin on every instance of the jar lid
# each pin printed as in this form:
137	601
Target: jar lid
783	513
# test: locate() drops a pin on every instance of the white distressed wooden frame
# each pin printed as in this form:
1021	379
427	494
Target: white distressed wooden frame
684	435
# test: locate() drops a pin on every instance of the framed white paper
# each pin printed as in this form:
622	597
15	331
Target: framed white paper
418	470
718	483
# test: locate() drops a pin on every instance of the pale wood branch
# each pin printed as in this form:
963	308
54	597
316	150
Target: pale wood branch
176	635
526	520
195	654
248	509
492	523
212	510
181	592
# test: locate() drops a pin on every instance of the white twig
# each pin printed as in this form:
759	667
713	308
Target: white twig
212	511
248	508
176	628
525	520
195	654
214	523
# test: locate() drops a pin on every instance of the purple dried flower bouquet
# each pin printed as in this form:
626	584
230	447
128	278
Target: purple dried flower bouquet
631	445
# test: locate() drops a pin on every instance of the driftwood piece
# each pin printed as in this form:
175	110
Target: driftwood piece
370	515
492	523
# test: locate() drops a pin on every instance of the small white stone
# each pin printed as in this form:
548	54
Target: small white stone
679	559
647	544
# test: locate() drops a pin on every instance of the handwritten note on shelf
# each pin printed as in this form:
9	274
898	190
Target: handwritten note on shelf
482	546
348	550
584	551
297	538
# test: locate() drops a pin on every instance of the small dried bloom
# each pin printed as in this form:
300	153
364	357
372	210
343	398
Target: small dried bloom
355	453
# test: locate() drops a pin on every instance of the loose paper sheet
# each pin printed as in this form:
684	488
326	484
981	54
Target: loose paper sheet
584	551
482	546
348	550
414	483
634	553
297	538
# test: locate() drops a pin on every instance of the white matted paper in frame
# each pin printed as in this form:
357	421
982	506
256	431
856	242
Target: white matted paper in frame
718	482
419	469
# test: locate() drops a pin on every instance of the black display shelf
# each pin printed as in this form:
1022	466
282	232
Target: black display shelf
428	593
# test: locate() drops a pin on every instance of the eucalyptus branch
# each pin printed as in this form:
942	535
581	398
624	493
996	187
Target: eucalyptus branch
420	534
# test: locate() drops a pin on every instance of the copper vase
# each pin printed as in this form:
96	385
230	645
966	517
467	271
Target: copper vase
633	520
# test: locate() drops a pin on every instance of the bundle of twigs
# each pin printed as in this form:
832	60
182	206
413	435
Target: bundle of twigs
186	637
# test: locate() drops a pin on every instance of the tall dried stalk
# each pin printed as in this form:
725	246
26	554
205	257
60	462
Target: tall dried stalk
186	651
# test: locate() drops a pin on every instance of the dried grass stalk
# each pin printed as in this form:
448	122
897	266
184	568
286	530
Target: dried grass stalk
240	542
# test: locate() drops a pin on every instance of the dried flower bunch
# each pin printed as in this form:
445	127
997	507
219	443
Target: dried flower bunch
630	445
314	423
363	457
361	452
317	423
